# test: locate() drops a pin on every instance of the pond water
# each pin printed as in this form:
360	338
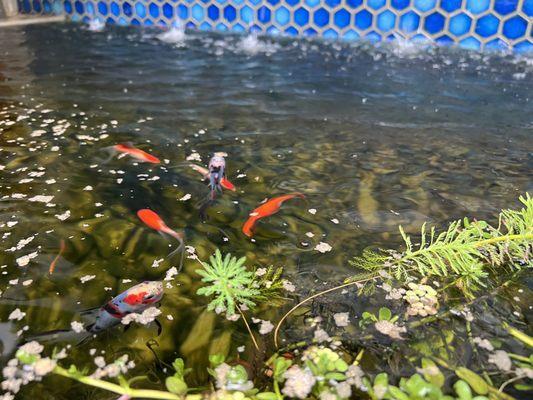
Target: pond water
374	136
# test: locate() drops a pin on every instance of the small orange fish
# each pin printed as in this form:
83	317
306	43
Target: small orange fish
154	221
226	184
138	154
54	262
266	209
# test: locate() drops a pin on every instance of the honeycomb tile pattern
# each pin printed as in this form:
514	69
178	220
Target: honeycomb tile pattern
472	24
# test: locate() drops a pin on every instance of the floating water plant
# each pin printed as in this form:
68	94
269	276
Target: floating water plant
465	253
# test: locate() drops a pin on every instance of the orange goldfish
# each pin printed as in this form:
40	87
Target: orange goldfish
266	209
154	221
138	154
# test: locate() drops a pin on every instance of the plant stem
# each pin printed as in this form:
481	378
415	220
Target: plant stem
276	331
248	327
113	387
276	390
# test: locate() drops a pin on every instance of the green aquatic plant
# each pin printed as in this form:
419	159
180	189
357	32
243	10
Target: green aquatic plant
229	282
465	252
384	314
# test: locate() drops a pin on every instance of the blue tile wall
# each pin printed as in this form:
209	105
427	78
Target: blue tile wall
472	24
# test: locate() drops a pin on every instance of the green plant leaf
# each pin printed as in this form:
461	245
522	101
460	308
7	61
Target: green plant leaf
475	381
266	396
385	314
176	385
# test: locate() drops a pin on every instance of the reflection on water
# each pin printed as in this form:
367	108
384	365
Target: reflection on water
374	137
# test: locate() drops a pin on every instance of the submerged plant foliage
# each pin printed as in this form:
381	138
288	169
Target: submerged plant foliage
229	282
465	252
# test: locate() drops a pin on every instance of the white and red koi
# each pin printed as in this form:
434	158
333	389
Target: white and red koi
130	150
136	299
224	182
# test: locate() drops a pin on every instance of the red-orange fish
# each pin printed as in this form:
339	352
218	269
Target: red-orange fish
56	259
138	154
154	221
226	184
266	209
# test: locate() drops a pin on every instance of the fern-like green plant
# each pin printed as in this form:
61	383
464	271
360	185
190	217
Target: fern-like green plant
464	252
229	282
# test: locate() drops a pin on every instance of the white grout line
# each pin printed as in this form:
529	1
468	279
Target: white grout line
18	21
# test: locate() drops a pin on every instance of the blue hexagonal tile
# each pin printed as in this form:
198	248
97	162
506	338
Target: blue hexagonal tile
291	31
373	36
333	3
523	47
238	28
363	19
221	2
425	5
37	6
312	3
272	30
102	7
400	4
330	34
376	4
221	27
515	27
528	7
283	16
460	24
301	16
310	32
409	21
140	10
78	6
205	26
477	6
496	44
263	14
198	12
273	2
168	10
230	13
434	23
444	40
321	17
354	3
89	7
26	6
135	21
111	21
342	18
247	14
213	12
154	10
450	5
351	35
292	3
183	12
487	26
505	7
386	20
126	9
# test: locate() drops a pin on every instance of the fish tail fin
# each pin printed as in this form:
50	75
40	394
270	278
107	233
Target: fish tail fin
111	152
53	336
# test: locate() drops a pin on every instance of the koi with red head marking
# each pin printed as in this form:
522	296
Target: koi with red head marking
266	209
138	154
134	300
